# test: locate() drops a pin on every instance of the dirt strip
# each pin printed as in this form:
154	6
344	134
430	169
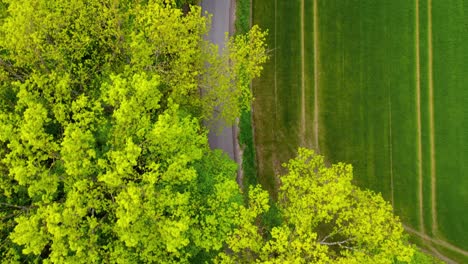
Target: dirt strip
274	155
431	119
418	111
303	101
391	149
316	78
436	241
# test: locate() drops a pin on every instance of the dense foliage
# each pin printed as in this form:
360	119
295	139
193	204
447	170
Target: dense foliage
104	155
325	219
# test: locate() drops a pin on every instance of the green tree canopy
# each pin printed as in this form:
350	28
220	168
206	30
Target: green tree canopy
325	219
103	155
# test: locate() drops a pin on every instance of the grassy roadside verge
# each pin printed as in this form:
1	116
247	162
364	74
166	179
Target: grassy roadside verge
242	26
246	138
242	16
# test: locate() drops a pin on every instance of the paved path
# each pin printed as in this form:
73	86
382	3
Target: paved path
220	24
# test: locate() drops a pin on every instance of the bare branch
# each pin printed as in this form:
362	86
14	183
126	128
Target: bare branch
347	247
331	234
10	70
20	207
336	243
10	216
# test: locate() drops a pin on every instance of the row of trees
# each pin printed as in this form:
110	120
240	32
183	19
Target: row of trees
104	155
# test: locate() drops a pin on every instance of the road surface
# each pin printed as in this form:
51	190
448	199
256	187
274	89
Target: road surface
221	23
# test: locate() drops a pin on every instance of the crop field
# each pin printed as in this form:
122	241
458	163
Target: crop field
382	85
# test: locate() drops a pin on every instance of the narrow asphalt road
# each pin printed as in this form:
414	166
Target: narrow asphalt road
221	23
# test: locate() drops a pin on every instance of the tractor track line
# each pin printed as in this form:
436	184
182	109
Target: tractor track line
275	133
391	149
316	78
431	119
303	100
418	111
436	241
275	79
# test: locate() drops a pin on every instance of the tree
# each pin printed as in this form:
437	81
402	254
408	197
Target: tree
186	3
103	155
326	219
231	74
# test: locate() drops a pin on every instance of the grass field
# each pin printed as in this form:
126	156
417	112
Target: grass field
277	108
385	85
450	67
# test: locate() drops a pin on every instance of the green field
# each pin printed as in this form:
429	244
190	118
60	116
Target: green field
384	83
277	94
